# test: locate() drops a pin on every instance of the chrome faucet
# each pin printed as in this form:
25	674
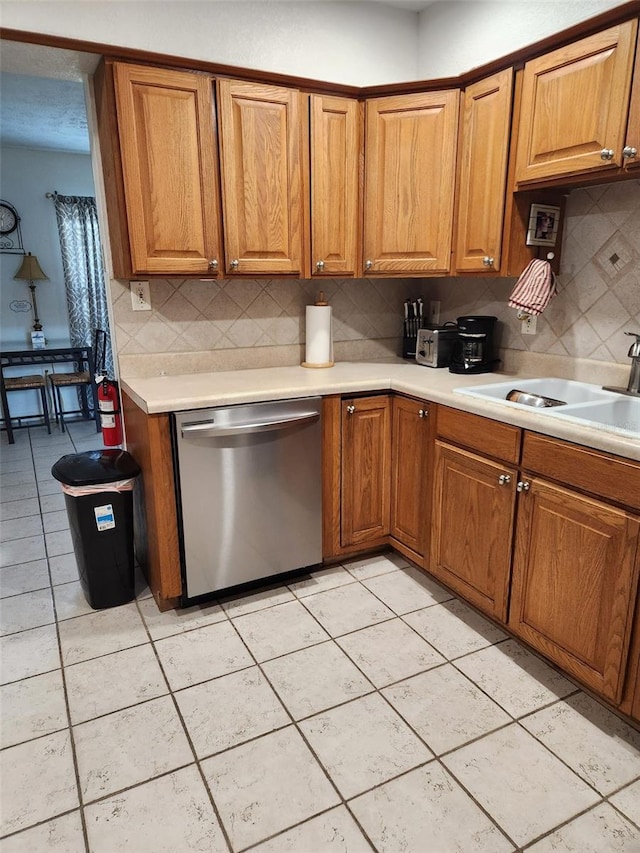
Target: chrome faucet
634	354
633	386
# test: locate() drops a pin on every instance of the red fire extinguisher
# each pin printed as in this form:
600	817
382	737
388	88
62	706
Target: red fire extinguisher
110	419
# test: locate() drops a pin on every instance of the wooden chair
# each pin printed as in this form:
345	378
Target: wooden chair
81	379
27	383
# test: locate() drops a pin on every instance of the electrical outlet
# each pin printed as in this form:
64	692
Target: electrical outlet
529	324
140	295
434	312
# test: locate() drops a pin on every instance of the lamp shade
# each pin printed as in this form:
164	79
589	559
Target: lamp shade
30	269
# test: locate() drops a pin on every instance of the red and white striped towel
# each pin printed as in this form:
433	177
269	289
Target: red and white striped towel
535	287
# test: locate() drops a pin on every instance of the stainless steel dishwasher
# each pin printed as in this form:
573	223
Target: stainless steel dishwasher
249	492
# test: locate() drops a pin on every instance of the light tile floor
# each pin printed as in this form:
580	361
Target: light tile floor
362	708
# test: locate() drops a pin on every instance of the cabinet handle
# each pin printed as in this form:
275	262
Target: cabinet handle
422	413
504	479
235	263
607	154
523	486
350	410
320	266
213	264
629	151
368	265
487	261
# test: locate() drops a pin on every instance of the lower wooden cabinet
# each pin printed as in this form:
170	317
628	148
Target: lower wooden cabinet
365	469
472	527
411	440
510	517
574	583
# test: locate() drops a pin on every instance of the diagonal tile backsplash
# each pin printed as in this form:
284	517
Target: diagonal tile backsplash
209	325
243	318
598	294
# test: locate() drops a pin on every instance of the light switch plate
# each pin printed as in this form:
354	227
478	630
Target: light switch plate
529	324
140	295
434	312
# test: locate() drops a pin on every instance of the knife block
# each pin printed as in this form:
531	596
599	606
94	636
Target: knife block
409	346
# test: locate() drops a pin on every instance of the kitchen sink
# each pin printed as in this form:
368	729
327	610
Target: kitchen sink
621	414
582	403
568	390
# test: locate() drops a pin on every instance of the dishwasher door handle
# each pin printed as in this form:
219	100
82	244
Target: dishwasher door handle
209	428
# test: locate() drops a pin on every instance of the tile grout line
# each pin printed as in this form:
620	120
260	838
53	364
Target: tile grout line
186	732
72	741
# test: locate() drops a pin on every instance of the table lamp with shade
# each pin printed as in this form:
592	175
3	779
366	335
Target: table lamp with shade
31	271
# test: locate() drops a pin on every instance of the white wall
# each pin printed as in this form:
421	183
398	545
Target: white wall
25	176
355	43
458	35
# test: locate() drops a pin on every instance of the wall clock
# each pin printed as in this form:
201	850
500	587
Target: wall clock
10	233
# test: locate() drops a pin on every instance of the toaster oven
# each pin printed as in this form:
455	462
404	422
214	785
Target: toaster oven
434	346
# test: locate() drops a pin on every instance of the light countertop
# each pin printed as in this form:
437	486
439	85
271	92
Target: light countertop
204	390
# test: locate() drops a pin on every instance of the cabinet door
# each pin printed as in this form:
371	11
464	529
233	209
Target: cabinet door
631	150
410	437
410	155
366	468
168	149
574	106
335	162
484	148
574	583
261	161
472	525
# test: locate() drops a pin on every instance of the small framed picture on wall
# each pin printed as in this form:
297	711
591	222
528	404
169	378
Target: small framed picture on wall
544	220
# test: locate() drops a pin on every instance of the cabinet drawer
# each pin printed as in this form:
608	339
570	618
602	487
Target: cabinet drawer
601	474
492	438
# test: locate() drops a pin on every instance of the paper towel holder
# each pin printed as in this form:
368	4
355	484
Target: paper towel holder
321	303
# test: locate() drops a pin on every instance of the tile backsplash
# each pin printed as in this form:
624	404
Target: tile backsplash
225	324
598	296
209	325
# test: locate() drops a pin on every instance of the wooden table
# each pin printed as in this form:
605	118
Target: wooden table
55	352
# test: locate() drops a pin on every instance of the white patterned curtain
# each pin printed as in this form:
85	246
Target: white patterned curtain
83	270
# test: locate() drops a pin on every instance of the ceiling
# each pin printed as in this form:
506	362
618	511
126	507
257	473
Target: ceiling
42	102
42	97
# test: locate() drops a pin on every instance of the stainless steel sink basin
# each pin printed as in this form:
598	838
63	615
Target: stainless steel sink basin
583	403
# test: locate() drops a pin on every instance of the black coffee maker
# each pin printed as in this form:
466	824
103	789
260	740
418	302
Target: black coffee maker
474	350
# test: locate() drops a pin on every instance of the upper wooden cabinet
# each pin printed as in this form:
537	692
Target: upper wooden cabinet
632	140
261	152
335	167
410	161
574	108
485	127
166	130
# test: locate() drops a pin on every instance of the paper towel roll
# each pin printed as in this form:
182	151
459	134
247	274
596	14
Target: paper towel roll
319	346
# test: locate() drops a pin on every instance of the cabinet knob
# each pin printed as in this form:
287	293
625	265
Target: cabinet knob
350	410
319	265
368	265
213	264
607	154
235	263
523	486
487	261
629	151
422	413
504	479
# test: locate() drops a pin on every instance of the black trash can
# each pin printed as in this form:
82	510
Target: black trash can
98	491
